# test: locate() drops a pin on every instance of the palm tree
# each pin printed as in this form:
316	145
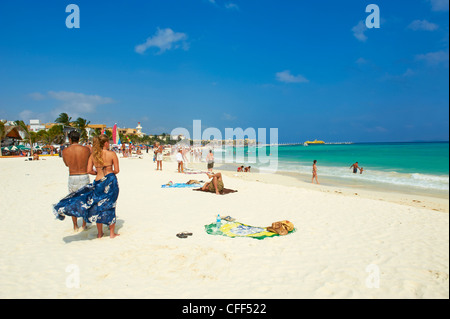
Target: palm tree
82	124
2	133
56	134
64	119
31	136
97	132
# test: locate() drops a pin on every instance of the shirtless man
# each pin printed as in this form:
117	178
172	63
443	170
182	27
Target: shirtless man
355	167
76	159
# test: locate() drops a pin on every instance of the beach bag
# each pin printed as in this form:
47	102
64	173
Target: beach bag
281	228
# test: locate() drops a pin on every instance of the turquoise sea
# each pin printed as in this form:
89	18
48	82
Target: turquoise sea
416	165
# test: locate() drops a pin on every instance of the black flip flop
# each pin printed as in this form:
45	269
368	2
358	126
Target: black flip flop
184	235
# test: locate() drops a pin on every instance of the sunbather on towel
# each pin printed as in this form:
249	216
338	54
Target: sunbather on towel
215	185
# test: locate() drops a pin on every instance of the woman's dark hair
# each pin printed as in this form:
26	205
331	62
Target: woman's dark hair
315	161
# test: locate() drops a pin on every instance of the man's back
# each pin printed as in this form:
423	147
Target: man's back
76	158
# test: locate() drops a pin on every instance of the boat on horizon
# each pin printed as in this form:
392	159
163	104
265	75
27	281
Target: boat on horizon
315	142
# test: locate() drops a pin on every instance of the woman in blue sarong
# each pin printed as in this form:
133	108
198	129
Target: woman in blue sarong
96	202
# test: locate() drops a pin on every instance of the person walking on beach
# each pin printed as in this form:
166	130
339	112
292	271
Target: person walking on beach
76	158
95	202
159	156
355	167
210	160
106	187
180	161
314	172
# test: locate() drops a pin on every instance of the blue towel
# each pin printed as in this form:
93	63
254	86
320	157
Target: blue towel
181	185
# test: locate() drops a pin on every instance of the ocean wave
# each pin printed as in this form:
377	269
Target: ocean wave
417	180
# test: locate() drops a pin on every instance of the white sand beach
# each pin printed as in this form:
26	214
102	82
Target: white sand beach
370	245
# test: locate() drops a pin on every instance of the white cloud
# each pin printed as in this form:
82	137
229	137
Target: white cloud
423	25
78	103
36	96
164	39
359	30
27	115
74	104
408	73
361	61
231	6
402	77
439	5
287	77
434	58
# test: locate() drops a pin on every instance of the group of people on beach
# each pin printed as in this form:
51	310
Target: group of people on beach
96	202
354	166
244	169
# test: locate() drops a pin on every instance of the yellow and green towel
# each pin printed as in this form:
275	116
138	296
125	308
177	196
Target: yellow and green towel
237	229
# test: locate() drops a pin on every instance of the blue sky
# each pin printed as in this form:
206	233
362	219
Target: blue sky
312	69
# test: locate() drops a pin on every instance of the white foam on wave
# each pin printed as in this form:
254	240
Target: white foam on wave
424	181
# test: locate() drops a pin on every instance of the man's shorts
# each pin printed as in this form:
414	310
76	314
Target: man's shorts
78	181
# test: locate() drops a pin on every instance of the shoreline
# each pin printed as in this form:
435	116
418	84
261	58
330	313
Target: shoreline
434	200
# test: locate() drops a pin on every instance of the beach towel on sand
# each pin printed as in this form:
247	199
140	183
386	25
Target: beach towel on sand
237	229
181	185
225	191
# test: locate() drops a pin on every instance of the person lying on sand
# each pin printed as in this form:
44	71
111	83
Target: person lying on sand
215	185
192	181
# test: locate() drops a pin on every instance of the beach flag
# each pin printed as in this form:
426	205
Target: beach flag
118	141
114	134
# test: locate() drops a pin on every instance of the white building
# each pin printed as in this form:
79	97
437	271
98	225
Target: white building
36	126
139	130
176	137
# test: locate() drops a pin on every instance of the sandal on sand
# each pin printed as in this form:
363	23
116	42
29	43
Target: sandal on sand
229	219
184	235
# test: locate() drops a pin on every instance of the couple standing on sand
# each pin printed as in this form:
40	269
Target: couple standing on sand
94	202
